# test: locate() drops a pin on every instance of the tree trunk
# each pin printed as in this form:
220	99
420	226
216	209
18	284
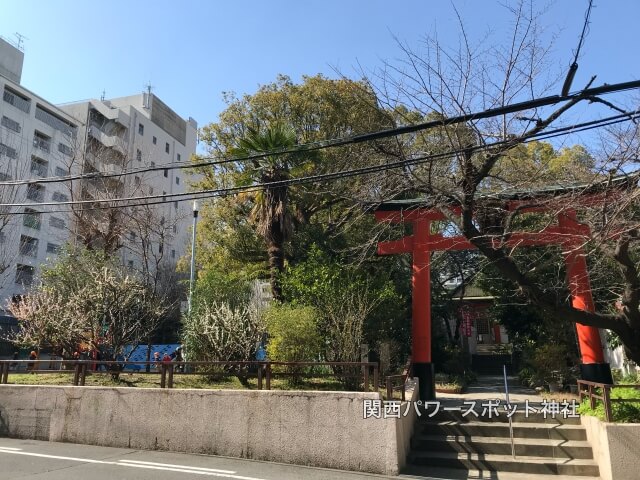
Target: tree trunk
275	251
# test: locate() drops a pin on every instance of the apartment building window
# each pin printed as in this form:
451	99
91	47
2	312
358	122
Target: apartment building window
136	181
152	164
166	148
31	218
3	238
28	246
130	263
5	177
17	100
24	274
35	193
61	172
175	205
163	194
166	172
178	157
139	155
140	129
41	141
177	180
53	248
64	149
155	140
59	197
173	254
7	151
11	124
150	190
39	166
160	248
175	229
132	236
56	222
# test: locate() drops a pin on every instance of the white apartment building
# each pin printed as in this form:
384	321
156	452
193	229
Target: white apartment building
136	133
38	140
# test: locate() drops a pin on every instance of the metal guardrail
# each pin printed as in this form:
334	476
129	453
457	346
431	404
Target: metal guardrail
263	371
403	382
506	394
592	389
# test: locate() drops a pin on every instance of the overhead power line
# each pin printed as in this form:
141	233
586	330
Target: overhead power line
355	139
203	194
574	66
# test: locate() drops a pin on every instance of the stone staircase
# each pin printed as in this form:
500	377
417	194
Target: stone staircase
458	444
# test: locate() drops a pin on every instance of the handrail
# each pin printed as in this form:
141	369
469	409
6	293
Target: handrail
506	392
168	370
606	395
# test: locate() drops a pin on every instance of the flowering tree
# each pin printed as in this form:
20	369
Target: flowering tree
87	298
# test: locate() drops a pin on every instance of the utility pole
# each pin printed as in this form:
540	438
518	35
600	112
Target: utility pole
196	207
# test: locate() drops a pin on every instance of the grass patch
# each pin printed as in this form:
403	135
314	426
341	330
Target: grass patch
446	383
141	380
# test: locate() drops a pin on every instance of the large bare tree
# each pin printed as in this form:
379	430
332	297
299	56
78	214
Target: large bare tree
489	160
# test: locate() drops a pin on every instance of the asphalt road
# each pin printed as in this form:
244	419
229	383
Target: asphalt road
30	459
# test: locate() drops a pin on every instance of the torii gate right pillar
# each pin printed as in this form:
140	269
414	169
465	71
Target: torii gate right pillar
593	367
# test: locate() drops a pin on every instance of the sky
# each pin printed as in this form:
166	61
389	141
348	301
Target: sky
191	51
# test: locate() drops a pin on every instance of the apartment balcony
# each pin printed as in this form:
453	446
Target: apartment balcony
24	274
55	122
35	193
109	141
39	169
114	114
29	248
42	144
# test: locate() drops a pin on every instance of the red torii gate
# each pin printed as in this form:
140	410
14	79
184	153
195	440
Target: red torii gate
568	232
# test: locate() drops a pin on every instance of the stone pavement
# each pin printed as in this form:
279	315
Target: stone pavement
490	388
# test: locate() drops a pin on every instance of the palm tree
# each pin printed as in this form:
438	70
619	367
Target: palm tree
271	213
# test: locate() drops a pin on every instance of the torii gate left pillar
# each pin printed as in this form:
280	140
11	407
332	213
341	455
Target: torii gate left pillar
419	245
421	309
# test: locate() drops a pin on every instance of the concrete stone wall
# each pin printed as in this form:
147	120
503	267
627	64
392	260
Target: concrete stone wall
323	429
616	448
406	424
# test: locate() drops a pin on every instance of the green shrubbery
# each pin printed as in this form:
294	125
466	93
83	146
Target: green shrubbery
293	334
293	337
546	364
621	412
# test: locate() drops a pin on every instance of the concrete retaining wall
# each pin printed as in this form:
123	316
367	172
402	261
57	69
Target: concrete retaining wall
323	429
406	424
616	448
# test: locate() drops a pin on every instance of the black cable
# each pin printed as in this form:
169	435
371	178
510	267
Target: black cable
566	86
203	194
355	139
584	30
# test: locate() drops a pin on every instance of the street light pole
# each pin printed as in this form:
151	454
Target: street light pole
196	207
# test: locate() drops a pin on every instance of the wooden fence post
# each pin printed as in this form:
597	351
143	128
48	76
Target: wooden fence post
268	375
606	398
5	373
170	377
76	374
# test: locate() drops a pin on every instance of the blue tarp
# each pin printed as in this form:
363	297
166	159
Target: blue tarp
140	353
